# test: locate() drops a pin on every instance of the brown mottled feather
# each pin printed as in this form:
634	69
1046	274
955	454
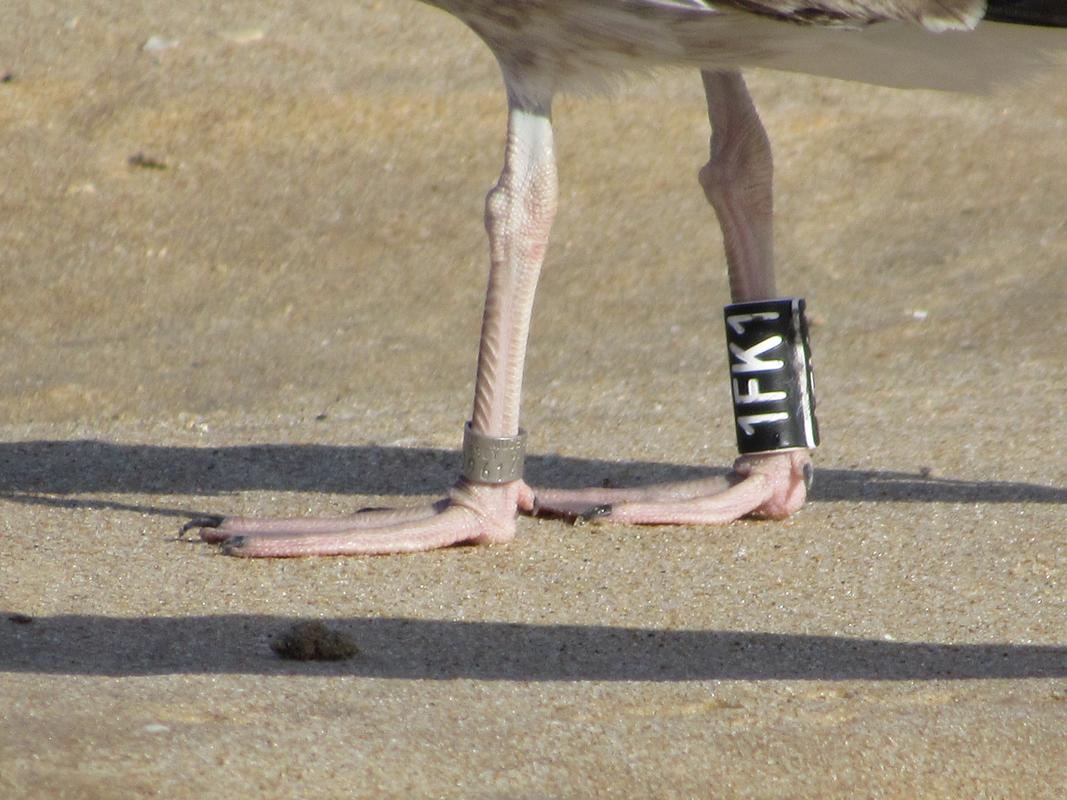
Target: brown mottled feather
934	15
556	44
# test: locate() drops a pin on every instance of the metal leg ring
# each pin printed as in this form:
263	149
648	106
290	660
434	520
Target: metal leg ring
492	459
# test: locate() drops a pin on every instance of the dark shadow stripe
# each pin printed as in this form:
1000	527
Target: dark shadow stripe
29	469
417	649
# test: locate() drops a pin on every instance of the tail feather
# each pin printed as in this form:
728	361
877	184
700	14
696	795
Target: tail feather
1051	13
900	54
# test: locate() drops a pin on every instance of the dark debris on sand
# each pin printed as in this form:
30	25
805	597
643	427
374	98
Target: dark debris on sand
313	641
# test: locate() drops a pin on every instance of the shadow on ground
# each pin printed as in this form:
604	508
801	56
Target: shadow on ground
31	469
442	650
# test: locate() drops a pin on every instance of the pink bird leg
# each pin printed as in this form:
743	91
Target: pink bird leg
518	215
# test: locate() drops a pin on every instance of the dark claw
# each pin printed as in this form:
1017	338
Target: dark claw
592	514
213	521
231	544
809	476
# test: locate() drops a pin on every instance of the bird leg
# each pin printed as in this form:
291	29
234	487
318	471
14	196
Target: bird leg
518	216
737	181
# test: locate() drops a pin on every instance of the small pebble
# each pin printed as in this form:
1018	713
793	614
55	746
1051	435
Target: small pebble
158	44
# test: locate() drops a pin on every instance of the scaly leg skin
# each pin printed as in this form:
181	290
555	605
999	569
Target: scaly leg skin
769	486
737	181
519	214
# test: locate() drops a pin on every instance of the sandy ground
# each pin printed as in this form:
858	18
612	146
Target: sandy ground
282	319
